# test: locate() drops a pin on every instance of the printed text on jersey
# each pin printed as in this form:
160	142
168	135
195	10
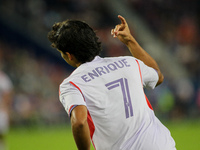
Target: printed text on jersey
99	71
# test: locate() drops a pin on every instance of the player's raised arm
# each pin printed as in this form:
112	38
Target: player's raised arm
122	32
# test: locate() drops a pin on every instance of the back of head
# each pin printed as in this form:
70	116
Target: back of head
77	38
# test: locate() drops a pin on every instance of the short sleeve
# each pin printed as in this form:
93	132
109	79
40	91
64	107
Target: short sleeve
70	97
149	75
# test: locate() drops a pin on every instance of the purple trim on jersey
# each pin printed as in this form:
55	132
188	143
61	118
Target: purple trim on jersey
71	108
156	70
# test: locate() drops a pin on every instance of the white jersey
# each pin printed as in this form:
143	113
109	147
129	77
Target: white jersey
120	116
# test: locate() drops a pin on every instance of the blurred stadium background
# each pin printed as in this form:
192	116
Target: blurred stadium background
168	30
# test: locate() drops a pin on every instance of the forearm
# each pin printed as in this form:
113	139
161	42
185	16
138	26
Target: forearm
81	135
138	52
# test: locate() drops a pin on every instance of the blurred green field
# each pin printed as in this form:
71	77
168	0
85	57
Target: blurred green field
42	138
185	133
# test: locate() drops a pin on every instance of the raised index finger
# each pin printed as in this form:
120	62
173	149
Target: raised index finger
123	21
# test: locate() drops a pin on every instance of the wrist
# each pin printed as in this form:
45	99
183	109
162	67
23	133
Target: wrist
131	42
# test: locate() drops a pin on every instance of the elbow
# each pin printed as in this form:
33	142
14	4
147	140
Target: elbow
78	123
161	79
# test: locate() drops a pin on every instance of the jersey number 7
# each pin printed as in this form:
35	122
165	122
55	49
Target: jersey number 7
123	83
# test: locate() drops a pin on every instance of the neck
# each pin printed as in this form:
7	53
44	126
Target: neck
77	65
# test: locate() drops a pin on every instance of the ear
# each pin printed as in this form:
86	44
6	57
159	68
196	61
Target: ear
70	57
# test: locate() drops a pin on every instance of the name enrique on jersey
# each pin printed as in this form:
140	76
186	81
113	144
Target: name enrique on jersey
99	71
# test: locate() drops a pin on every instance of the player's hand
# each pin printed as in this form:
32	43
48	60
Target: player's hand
121	31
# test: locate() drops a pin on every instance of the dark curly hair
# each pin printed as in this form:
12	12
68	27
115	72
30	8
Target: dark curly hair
77	38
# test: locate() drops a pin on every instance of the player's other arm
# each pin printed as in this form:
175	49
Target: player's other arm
138	52
122	32
80	128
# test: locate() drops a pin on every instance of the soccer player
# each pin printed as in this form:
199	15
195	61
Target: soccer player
104	97
6	88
